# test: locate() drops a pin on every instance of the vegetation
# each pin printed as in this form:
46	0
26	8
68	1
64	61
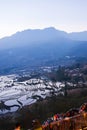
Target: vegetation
74	97
44	109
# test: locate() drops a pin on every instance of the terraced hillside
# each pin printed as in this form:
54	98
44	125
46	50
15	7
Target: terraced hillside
15	94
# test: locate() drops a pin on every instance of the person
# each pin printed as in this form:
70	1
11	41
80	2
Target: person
17	126
37	125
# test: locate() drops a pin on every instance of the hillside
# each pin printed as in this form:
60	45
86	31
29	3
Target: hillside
31	49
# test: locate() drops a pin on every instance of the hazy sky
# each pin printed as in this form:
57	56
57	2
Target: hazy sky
67	15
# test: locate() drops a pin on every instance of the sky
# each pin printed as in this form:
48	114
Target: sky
18	15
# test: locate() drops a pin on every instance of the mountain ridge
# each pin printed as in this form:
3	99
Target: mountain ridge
29	36
38	48
71	34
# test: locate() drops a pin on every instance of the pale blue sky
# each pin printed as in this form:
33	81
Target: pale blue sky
67	15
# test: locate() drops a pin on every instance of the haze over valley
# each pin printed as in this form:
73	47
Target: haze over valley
35	48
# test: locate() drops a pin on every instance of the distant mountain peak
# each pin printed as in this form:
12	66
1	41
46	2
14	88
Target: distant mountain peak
27	37
50	28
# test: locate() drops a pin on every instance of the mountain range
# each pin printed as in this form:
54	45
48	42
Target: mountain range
37	47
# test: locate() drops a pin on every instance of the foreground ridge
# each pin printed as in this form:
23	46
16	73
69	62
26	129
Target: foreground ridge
74	122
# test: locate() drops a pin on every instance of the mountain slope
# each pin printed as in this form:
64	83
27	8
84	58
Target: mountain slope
33	48
79	36
30	37
36	55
